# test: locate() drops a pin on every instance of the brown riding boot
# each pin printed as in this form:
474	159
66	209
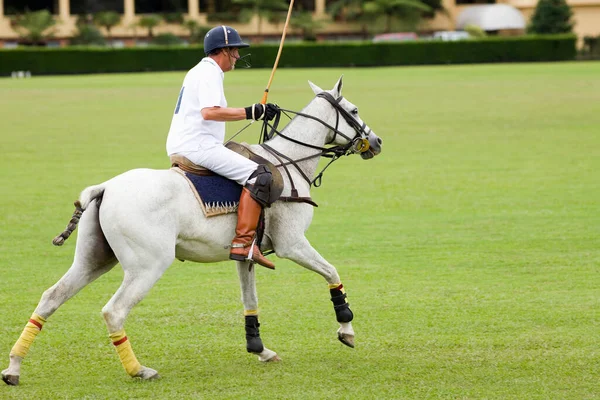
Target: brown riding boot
245	232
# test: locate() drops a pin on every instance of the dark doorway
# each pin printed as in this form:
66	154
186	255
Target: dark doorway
79	7
304	5
160	6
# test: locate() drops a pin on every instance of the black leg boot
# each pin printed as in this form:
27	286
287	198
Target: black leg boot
253	342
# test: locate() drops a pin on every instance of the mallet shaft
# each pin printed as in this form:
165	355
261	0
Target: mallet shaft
287	21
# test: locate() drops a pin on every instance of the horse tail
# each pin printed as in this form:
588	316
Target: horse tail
85	198
89	194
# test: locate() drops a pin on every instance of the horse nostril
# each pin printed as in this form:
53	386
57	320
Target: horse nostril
379	141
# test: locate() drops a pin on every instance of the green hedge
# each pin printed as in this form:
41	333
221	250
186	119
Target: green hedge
97	60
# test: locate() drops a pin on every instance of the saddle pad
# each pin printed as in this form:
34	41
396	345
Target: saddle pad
217	195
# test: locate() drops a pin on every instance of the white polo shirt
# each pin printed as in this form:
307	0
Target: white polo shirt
202	87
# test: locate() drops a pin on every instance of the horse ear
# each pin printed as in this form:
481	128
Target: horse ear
315	88
338	86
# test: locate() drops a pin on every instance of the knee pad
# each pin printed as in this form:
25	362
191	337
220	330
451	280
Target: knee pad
260	190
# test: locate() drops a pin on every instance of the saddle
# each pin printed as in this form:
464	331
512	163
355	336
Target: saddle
243	149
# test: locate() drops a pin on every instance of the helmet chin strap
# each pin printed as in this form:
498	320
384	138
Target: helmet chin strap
244	59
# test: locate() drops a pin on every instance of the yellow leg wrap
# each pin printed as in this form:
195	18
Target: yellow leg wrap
340	288
31	330
123	346
337	286
250	312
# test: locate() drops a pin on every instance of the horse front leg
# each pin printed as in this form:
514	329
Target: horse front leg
302	253
254	343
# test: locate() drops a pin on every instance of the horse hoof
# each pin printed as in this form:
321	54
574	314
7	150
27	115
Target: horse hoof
147	374
11	380
348	340
268	356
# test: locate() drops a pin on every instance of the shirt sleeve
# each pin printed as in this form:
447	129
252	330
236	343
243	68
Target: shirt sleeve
210	91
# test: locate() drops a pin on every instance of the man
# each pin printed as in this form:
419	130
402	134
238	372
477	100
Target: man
198	131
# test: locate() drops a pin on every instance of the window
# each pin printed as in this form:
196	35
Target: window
459	2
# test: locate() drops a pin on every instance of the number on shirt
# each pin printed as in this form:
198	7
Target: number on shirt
179	100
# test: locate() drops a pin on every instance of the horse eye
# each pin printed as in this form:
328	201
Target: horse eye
355	111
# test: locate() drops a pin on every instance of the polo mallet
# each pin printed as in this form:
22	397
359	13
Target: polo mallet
266	93
287	21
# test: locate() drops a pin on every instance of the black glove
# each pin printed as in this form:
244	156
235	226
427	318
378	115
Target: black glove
261	111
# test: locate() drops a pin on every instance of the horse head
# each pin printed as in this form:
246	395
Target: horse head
350	130
330	125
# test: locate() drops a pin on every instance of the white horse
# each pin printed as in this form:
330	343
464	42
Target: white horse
144	219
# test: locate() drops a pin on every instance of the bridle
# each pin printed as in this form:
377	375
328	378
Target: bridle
357	144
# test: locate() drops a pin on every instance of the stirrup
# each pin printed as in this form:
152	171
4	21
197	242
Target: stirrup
261	260
238	257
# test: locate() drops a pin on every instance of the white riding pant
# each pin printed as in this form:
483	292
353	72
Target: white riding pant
222	161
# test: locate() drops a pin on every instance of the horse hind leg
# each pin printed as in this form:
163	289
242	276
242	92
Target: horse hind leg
137	282
71	283
93	258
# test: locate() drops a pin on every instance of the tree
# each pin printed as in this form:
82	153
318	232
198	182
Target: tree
191	26
435	6
197	31
369	13
211	6
475	31
351	10
167	39
35	25
304	22
277	18
107	19
407	11
591	45
173	18
149	22
88	34
263	9
551	16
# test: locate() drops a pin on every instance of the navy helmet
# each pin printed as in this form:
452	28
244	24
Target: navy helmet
222	36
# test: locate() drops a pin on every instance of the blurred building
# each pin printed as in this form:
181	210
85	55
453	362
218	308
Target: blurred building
498	16
503	19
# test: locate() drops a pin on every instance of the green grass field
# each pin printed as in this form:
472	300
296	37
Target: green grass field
470	248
